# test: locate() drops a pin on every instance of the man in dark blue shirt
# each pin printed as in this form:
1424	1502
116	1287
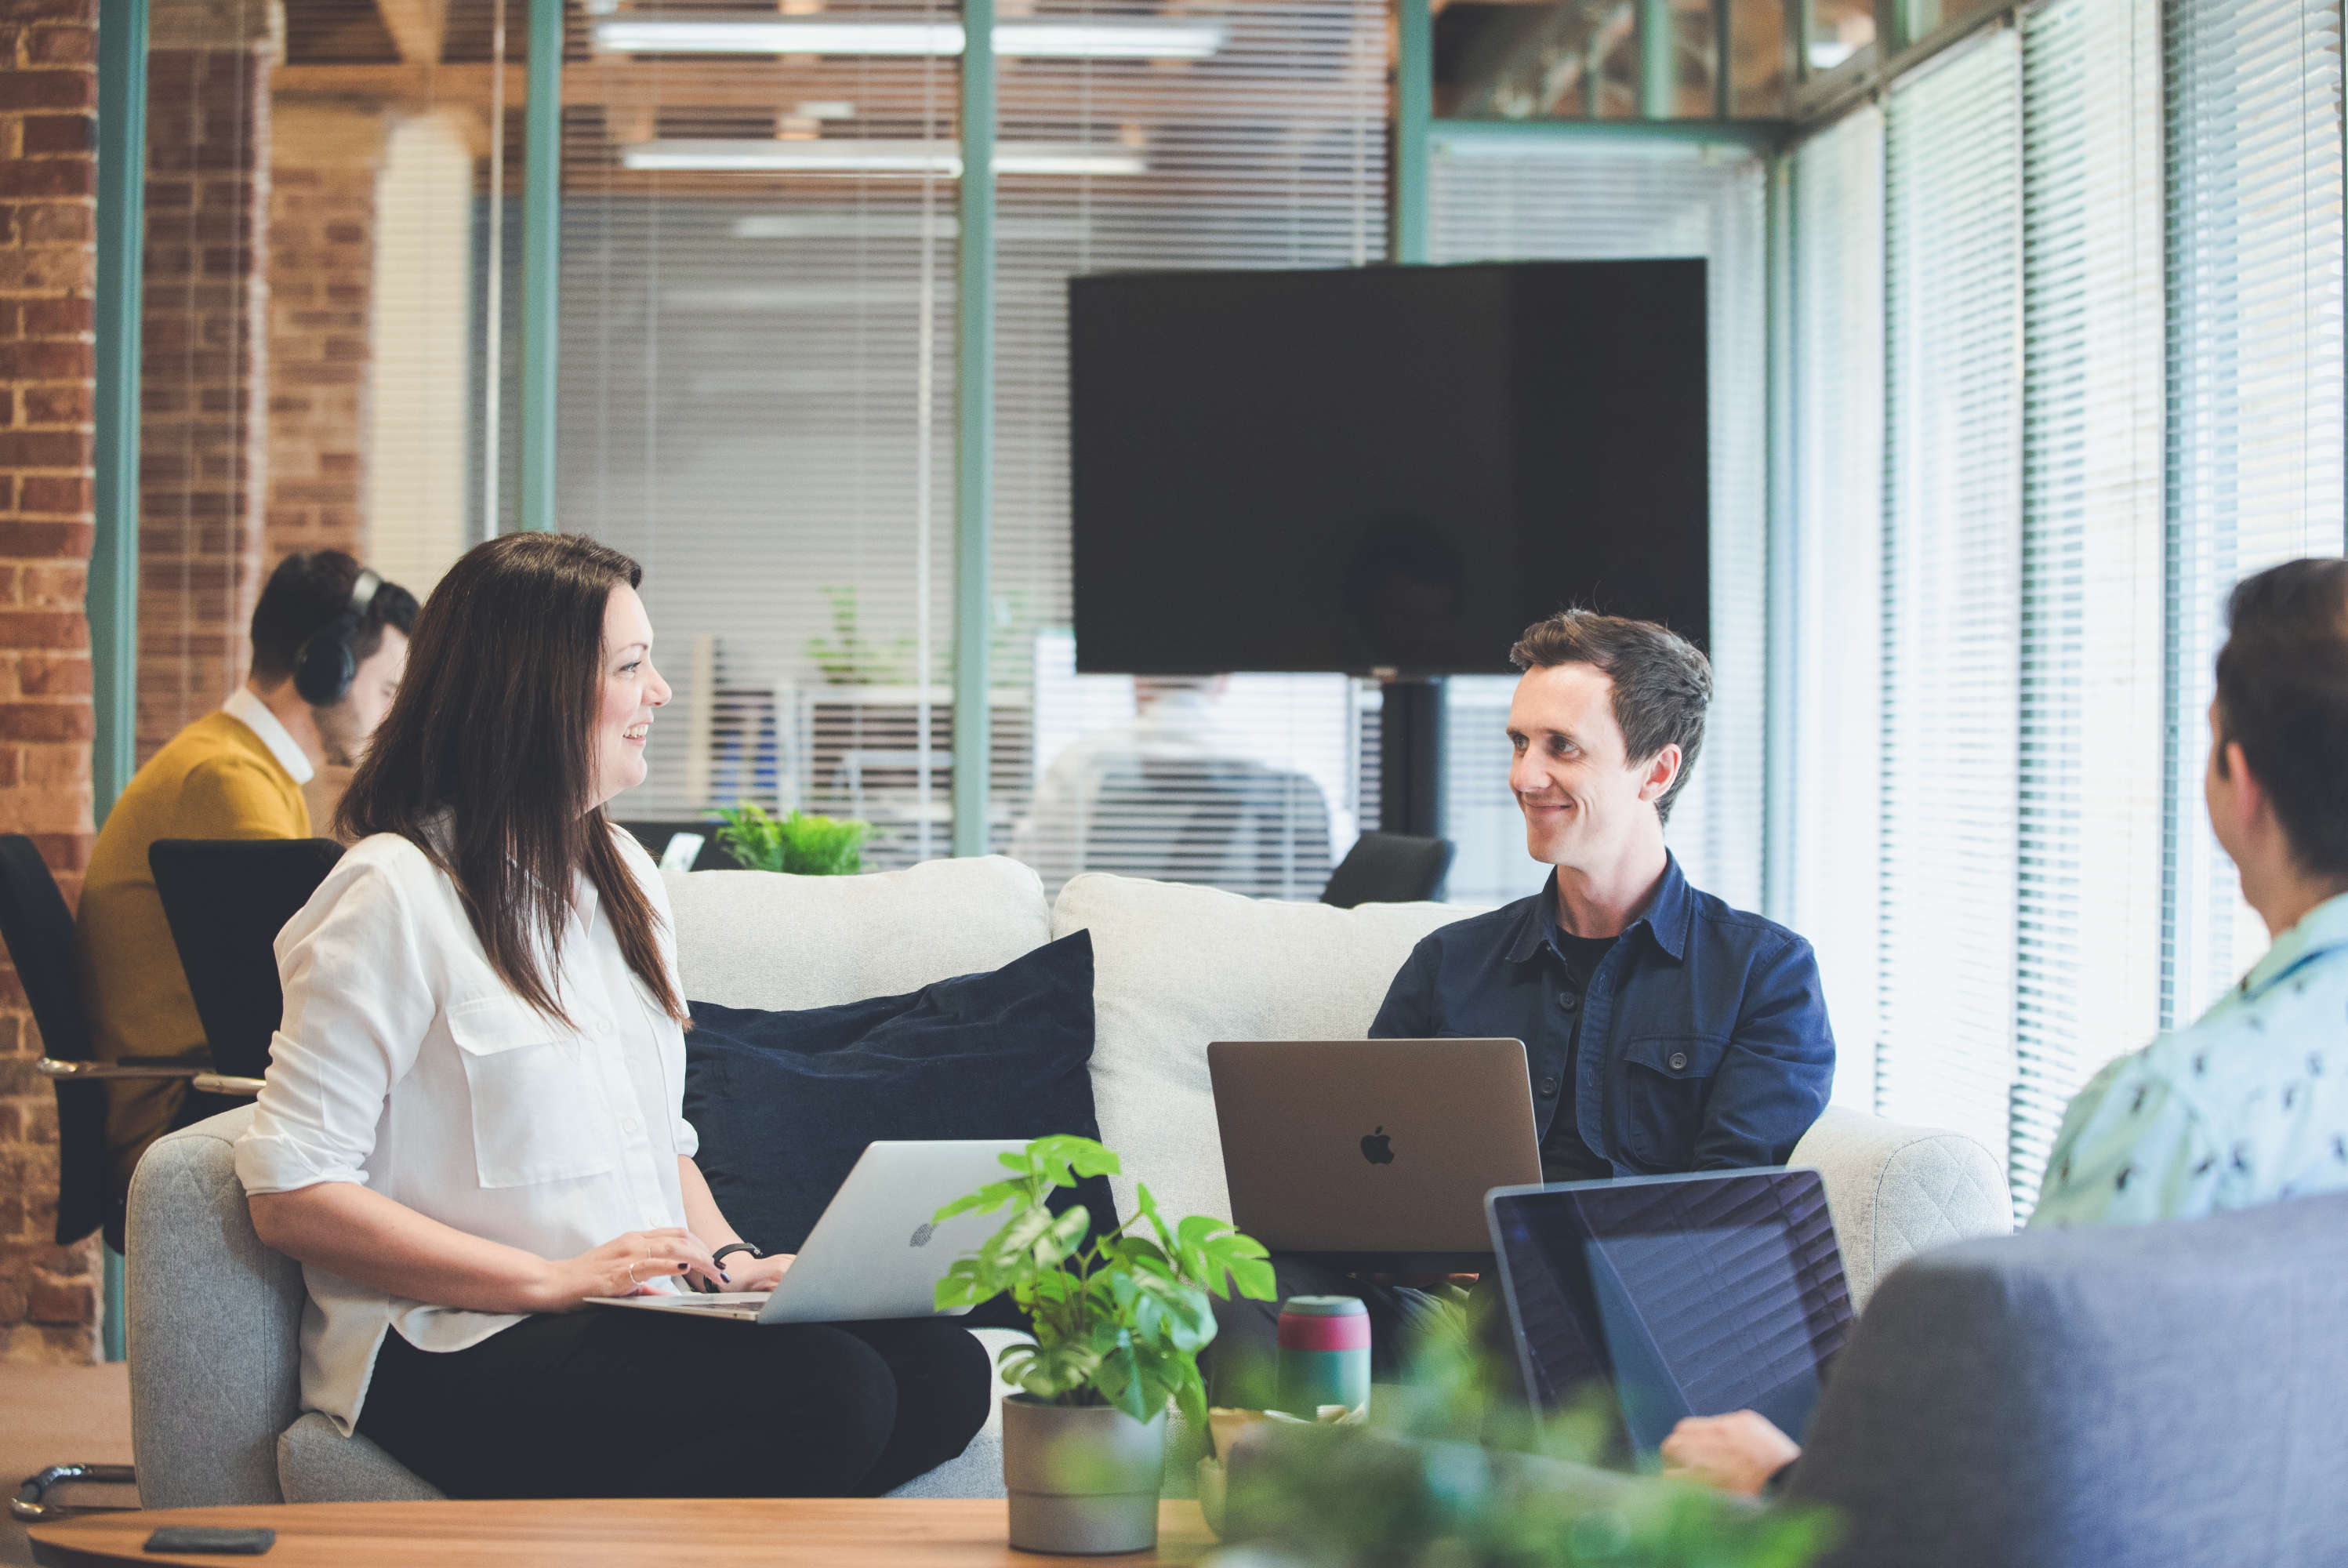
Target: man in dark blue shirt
1665	1031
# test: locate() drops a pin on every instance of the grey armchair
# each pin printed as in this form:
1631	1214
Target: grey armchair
215	1319
2162	1396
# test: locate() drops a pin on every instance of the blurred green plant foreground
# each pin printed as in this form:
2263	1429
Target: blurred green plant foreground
1452	1471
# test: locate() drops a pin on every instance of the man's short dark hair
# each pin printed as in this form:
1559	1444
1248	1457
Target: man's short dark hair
1663	682
309	593
2282	697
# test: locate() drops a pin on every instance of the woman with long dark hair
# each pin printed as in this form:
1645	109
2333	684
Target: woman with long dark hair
472	1122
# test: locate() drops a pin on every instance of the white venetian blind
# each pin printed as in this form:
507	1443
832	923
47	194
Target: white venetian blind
757	378
2255	389
2088	872
1263	146
1573	200
1835	604
1952	592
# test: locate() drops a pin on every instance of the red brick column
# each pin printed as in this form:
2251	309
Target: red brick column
205	369
322	219
48	90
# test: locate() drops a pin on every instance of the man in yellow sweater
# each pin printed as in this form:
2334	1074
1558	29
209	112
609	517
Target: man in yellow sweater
329	641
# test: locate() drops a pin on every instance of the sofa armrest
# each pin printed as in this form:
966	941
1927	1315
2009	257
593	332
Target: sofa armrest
1895	1189
214	1322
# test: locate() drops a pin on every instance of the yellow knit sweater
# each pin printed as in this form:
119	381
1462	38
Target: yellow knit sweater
215	779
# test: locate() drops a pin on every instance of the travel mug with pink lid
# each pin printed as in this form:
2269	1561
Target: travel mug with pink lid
1324	1354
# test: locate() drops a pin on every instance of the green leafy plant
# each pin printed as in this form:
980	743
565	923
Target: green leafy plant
1120	1319
847	657
794	841
1453	1472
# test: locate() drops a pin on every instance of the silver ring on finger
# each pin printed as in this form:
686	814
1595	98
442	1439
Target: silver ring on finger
631	1275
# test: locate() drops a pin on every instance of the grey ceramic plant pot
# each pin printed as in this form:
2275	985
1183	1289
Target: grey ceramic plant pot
1082	1481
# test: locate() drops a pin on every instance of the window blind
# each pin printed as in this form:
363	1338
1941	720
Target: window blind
1952	592
1570	199
757	347
1266	149
1835	603
2088	869
2255	407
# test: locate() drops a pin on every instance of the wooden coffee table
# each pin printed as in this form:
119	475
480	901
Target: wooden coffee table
833	1532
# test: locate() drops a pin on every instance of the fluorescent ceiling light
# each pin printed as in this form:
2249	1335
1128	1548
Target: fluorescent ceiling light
891	156
1105	38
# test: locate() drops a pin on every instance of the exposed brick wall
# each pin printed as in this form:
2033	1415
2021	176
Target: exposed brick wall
320	288
203	431
49	90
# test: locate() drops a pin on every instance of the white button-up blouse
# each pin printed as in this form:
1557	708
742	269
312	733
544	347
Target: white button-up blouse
404	1063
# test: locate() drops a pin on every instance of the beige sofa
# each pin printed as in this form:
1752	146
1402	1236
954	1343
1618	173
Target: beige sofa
214	1317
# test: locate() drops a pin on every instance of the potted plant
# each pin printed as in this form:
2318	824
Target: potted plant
795	841
1118	1320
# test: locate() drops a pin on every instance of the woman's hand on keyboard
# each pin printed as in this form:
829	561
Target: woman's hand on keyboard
630	1265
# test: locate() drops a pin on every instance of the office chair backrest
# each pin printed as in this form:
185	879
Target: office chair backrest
226	900
1388	868
39	932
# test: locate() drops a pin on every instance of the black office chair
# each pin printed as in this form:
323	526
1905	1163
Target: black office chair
712	857
226	900
1389	868
38	930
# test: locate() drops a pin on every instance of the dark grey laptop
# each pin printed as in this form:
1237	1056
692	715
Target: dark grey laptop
1691	1295
1373	1154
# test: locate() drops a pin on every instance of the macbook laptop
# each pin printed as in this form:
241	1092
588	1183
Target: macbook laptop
1691	1295
1373	1155
875	1253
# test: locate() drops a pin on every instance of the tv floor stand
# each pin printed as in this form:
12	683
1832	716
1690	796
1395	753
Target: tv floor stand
1410	756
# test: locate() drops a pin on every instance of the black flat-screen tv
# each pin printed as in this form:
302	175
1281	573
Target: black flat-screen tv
1383	467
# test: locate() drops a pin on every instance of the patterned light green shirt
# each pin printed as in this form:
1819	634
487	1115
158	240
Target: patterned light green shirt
2248	1106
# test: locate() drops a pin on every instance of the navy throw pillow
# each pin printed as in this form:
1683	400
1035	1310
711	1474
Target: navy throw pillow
785	1102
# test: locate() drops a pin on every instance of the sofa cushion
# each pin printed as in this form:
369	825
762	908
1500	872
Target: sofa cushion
761	939
1176	967
785	1102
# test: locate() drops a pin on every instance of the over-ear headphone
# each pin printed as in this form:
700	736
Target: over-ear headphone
325	666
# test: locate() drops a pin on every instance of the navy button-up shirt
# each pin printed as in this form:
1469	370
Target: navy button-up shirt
1705	1043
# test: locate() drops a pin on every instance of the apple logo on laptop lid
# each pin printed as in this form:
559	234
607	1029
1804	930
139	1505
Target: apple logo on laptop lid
1377	1147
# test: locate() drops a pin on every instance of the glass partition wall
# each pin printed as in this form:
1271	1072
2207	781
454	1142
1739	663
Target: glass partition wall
2027	342
320	275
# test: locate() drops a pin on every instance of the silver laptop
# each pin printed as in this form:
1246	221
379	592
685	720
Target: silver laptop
1373	1154
875	1253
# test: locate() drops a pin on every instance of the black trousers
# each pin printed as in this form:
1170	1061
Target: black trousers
609	1403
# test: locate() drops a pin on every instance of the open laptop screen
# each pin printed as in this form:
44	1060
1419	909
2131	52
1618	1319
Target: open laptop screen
1691	1295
